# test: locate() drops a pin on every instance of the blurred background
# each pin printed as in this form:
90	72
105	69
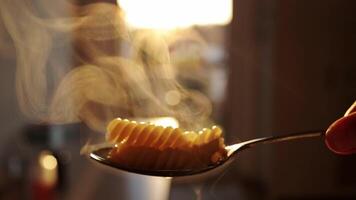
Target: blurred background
267	67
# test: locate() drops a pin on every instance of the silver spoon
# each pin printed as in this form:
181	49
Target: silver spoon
101	155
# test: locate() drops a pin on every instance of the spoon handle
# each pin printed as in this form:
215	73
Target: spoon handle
274	139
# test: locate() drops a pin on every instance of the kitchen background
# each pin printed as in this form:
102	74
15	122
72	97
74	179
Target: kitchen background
271	67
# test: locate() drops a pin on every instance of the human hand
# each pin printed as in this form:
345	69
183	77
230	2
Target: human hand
341	135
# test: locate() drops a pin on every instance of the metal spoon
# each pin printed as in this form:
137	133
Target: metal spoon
101	155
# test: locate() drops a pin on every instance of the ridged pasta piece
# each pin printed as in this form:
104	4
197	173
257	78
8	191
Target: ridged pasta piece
146	146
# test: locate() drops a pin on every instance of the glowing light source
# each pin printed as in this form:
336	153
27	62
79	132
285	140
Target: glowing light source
170	14
172	97
48	161
161	121
48	168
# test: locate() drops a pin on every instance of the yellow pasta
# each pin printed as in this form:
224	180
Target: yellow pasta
146	146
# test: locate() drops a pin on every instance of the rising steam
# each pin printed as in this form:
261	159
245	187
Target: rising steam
70	66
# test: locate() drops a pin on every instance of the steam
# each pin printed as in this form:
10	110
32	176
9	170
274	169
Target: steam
70	67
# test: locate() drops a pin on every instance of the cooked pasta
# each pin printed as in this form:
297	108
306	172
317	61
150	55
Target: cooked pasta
146	146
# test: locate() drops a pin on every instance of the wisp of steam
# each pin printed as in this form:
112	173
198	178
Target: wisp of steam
80	63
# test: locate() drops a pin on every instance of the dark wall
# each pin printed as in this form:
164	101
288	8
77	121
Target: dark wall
292	68
315	61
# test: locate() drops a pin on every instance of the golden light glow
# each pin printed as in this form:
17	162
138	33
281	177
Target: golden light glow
172	97
165	122
170	14
161	121
48	168
48	161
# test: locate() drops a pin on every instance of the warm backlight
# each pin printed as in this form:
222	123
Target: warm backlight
48	161
170	14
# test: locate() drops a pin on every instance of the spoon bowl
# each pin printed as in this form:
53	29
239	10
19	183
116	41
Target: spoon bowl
101	155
